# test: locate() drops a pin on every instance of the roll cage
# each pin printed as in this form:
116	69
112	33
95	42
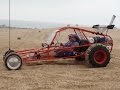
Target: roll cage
41	54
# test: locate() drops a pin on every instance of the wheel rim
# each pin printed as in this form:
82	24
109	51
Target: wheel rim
13	62
100	56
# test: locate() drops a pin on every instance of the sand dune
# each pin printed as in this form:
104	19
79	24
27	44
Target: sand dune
61	75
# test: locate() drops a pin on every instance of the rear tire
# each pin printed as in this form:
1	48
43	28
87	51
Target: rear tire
13	61
97	55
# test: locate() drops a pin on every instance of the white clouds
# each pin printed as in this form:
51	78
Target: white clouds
67	11
4	9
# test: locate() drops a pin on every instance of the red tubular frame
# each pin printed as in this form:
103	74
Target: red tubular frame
25	53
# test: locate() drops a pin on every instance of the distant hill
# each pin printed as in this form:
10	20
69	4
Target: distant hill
30	24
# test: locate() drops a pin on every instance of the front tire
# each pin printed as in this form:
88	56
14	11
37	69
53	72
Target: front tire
6	53
13	61
97	55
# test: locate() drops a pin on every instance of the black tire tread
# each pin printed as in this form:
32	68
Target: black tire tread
8	55
89	52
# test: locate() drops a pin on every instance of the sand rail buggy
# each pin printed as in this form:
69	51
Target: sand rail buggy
94	47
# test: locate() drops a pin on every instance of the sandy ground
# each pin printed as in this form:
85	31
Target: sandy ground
61	75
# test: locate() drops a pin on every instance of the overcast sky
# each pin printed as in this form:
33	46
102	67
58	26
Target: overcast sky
83	12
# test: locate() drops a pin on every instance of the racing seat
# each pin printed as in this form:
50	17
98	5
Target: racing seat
81	42
99	39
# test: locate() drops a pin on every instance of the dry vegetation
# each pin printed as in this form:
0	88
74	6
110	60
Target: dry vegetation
61	75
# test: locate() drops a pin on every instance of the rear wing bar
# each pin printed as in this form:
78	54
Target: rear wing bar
102	28
106	27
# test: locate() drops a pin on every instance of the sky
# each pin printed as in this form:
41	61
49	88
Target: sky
83	12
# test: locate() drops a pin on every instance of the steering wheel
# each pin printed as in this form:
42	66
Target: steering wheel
59	44
45	45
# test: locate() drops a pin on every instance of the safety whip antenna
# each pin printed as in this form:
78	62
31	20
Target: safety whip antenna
9	26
